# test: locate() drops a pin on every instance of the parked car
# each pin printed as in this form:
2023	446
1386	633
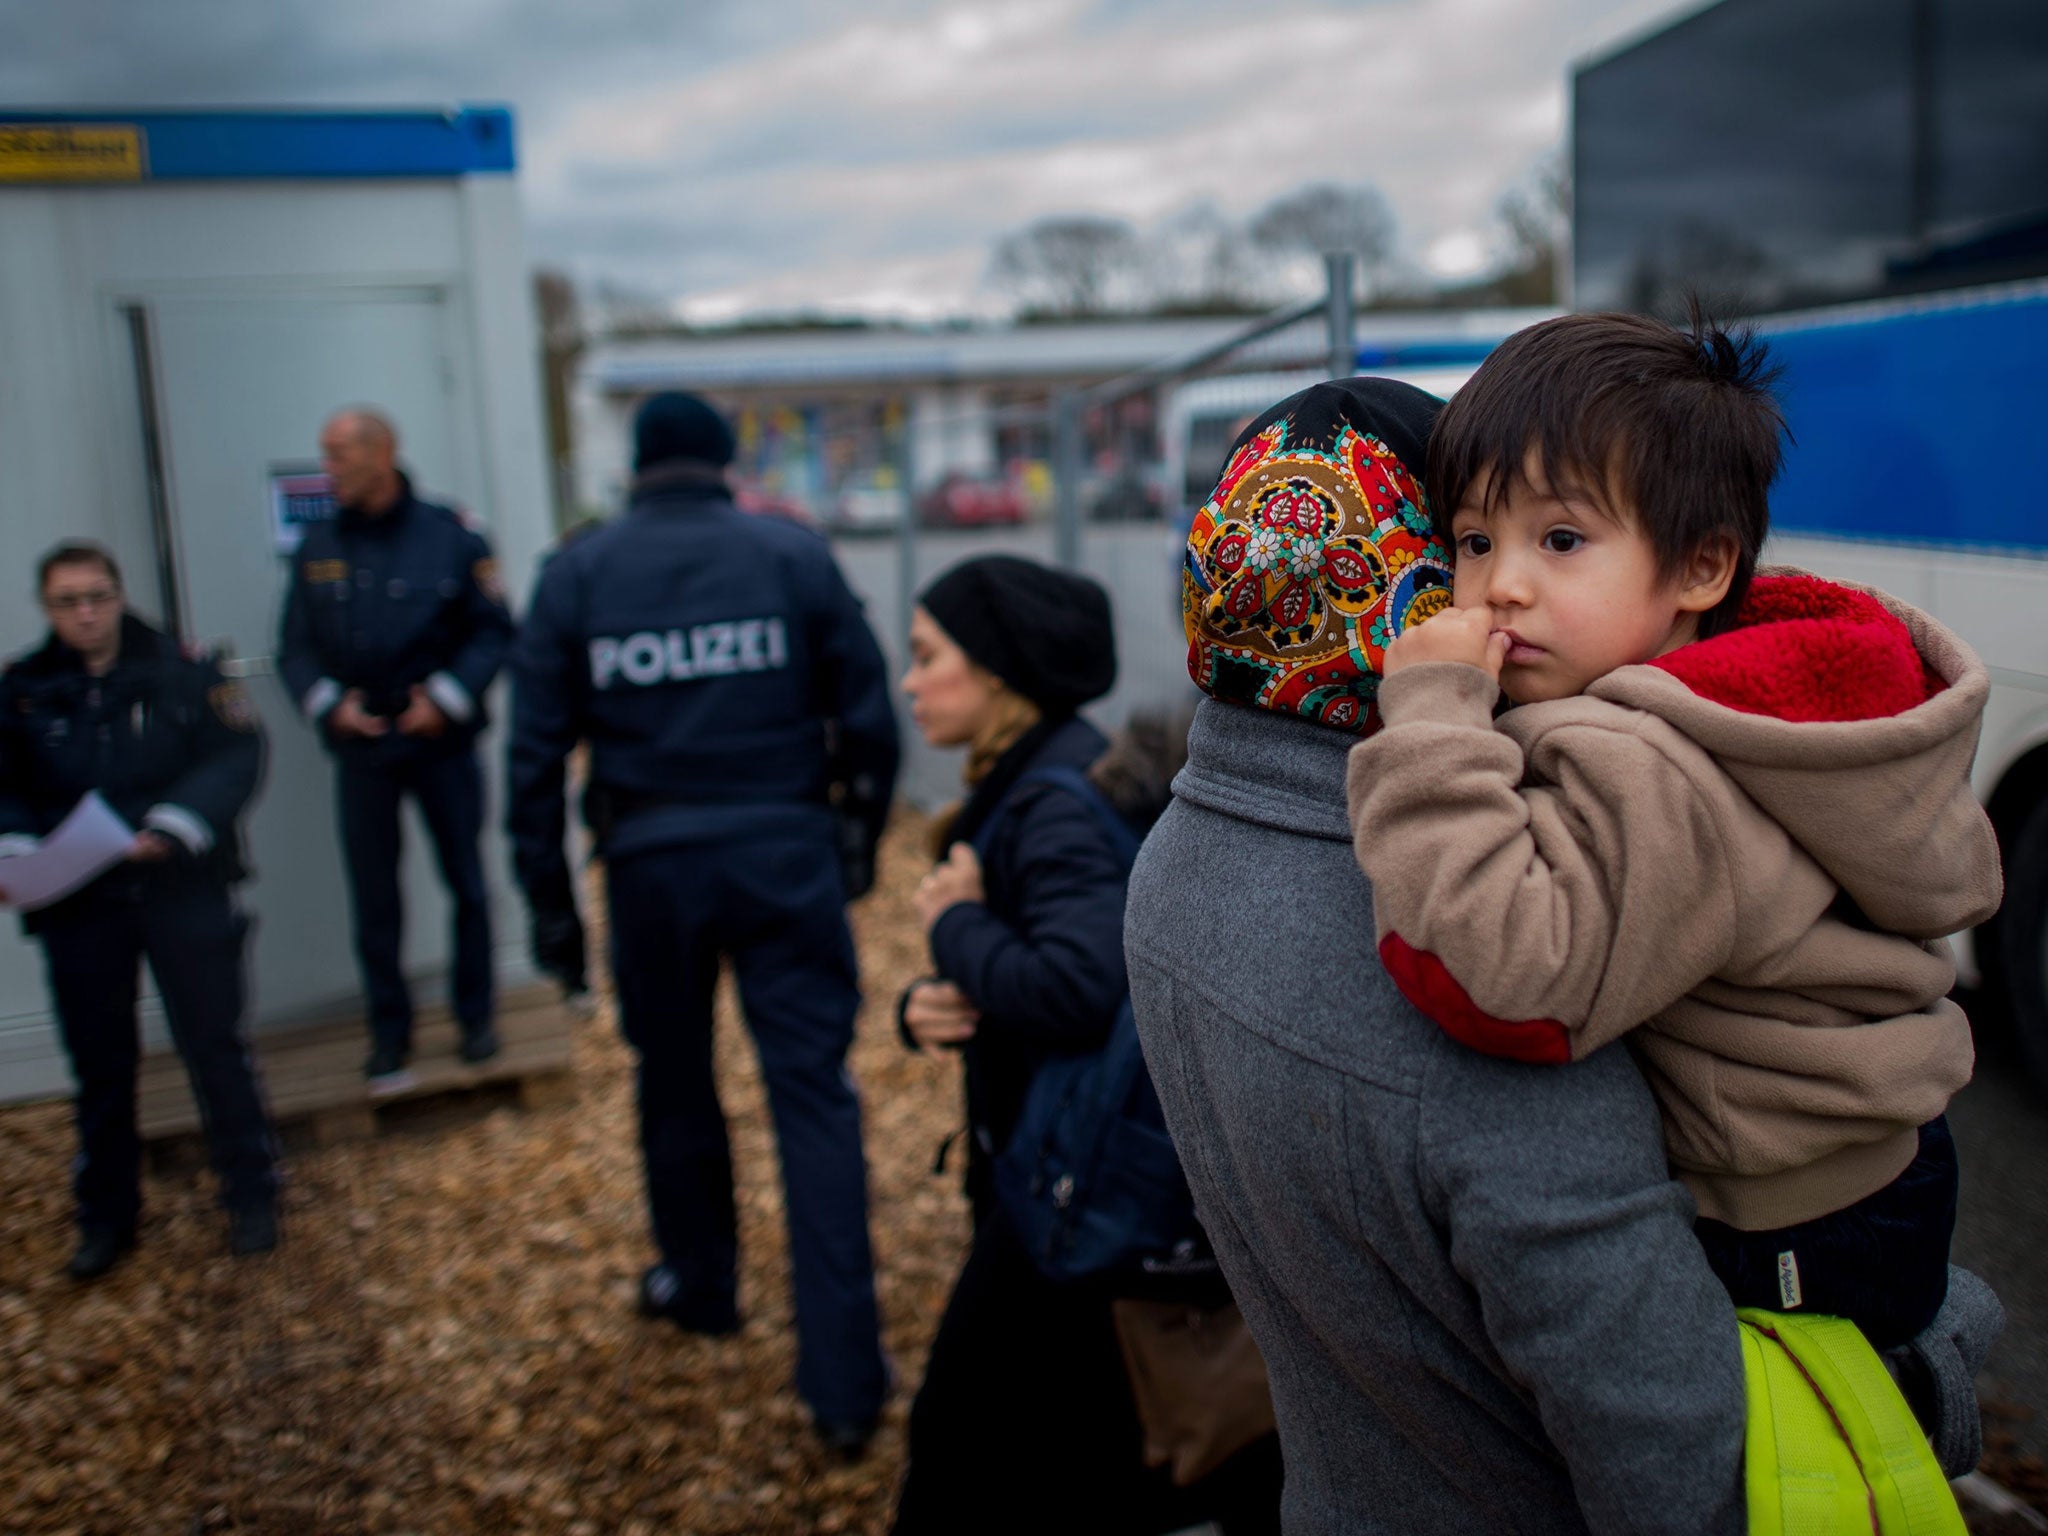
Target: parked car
869	507
765	503
961	501
1128	498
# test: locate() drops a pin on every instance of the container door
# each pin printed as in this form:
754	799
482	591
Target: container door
242	387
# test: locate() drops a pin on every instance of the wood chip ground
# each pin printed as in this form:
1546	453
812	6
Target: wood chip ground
446	1342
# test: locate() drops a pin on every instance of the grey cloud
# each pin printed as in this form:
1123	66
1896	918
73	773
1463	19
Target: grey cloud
746	188
1107	14
237	52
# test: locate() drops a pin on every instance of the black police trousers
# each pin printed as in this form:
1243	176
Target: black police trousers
189	929
776	909
448	787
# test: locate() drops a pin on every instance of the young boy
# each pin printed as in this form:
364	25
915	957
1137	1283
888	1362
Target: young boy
1730	806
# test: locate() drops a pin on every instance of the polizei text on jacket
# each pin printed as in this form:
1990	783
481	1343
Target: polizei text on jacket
682	655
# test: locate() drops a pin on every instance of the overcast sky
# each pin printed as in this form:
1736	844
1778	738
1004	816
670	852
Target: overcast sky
733	155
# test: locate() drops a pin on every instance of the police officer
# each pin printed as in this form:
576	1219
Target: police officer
742	755
109	704
394	627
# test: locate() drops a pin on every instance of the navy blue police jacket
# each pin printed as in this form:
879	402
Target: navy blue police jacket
408	598
169	743
721	671
1042	956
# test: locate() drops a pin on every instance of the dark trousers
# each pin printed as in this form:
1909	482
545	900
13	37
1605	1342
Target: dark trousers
191	933
448	787
1025	1422
1882	1262
776	910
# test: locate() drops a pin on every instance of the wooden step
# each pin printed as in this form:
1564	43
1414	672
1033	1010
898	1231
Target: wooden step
314	1071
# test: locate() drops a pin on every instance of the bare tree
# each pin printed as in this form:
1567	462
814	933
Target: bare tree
1536	216
1328	216
1070	267
624	311
561	345
556	307
1201	262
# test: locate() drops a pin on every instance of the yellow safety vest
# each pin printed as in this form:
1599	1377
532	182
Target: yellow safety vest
1832	1449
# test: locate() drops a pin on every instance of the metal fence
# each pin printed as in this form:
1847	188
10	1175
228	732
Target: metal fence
1096	458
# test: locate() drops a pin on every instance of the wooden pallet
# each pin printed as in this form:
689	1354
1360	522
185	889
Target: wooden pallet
313	1072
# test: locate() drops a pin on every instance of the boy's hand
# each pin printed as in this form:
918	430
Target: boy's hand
1456	634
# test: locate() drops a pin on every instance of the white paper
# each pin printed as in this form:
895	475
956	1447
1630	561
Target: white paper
86	844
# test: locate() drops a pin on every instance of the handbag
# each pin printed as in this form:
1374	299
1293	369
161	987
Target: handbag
1198	1381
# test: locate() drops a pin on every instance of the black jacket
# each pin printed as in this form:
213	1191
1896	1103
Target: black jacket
384	603
721	671
168	742
1043	957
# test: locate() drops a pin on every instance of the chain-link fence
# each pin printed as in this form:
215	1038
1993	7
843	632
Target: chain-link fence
1086	445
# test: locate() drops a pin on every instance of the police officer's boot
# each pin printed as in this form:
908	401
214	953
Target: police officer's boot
479	1044
846	1439
386	1072
252	1229
661	1295
99	1249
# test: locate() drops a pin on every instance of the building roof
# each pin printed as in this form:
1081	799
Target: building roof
1096	349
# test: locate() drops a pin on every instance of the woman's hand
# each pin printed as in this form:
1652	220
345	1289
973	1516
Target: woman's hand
938	1013
956	880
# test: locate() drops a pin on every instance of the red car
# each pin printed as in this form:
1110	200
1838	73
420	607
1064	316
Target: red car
958	501
762	503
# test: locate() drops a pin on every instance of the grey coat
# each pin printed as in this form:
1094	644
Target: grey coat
1474	1283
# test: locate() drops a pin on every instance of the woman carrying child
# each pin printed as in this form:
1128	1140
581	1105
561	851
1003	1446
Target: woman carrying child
1728	814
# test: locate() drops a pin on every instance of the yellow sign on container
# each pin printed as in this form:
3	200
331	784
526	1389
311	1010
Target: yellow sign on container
70	152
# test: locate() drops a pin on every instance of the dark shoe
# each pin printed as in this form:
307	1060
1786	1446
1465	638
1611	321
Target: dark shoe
99	1249
252	1231
479	1045
661	1295
386	1071
846	1439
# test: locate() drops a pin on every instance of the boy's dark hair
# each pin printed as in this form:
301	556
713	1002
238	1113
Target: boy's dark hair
1681	426
77	552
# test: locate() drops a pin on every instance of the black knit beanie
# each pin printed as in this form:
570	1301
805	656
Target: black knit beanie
1045	632
674	425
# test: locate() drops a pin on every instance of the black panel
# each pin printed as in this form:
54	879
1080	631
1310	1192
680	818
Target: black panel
1990	113
1773	154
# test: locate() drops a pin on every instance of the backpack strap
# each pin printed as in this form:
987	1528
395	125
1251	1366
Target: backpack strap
1831	1444
1123	841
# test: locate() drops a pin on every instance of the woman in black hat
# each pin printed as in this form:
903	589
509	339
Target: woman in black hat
1026	1414
1003	652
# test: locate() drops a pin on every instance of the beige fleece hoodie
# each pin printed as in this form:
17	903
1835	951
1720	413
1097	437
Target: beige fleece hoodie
1753	848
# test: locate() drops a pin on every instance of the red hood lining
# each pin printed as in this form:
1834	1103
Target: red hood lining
1807	650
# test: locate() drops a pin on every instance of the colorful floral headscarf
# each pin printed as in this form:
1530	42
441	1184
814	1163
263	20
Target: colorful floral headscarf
1315	552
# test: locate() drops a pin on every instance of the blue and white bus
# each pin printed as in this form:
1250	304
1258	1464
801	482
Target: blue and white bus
1868	179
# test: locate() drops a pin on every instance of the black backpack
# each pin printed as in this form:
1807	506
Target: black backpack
1090	1179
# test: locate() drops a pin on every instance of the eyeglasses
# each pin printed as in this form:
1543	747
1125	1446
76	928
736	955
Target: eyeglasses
71	602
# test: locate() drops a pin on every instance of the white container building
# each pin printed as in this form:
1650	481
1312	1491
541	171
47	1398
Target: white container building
184	298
